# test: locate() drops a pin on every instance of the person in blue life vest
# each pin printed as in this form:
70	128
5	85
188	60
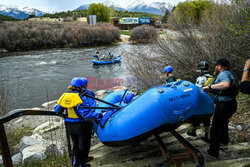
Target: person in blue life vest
78	120
203	80
168	70
224	91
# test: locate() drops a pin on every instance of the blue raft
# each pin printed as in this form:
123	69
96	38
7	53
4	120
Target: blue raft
157	110
101	62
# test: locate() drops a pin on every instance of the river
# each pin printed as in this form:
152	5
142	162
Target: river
34	77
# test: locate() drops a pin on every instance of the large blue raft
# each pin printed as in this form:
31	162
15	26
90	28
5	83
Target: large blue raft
101	62
155	111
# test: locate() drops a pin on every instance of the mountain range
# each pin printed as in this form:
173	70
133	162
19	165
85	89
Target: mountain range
133	6
19	13
136	6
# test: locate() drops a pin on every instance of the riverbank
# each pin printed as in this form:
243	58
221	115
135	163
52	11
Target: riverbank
24	36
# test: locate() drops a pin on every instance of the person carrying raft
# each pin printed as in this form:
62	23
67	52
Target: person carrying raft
78	120
203	80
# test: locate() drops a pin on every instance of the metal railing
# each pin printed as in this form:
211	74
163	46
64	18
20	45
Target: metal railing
4	146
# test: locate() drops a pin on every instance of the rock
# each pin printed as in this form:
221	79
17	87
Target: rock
49	105
117	88
27	141
35	152
101	93
17	159
19	120
231	128
47	126
39	152
239	127
52	150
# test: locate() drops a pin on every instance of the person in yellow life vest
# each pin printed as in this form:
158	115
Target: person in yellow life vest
203	80
78	120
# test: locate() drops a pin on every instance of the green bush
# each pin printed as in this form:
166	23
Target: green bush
192	11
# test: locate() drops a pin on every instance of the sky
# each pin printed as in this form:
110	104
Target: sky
63	5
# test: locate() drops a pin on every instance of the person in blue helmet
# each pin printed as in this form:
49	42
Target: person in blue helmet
168	70
78	120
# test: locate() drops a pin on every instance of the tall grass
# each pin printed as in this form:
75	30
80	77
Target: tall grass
16	36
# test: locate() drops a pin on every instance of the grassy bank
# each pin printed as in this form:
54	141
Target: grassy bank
17	36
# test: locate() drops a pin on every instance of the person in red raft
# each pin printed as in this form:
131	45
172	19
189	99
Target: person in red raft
78	120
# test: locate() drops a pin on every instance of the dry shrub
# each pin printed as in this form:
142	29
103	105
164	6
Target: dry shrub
16	36
143	34
224	33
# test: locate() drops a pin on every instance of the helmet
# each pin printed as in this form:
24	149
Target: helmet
77	82
223	62
203	65
168	69
85	81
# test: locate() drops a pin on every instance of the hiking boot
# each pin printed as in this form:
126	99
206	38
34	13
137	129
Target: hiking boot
85	165
212	155
223	146
75	162
192	133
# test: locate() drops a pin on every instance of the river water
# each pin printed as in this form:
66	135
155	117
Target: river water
34	77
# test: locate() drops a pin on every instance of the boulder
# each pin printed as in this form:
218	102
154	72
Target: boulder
17	159
48	126
49	105
39	152
35	152
27	141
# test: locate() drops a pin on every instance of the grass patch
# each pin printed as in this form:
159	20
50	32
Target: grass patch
125	32
14	136
60	161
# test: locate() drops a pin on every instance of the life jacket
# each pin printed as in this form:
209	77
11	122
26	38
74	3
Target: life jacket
69	101
210	79
172	79
232	91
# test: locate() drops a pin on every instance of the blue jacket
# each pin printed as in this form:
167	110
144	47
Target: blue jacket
81	114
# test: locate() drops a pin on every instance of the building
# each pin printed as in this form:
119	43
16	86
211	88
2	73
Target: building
127	23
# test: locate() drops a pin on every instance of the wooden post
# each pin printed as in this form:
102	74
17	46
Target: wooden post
4	147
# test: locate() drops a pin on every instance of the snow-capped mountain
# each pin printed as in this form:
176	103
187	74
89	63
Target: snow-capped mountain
19	13
136	6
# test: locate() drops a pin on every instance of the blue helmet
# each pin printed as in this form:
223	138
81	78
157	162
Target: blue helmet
85	81
168	69
77	82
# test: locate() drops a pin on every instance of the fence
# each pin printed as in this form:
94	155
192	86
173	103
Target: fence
4	146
